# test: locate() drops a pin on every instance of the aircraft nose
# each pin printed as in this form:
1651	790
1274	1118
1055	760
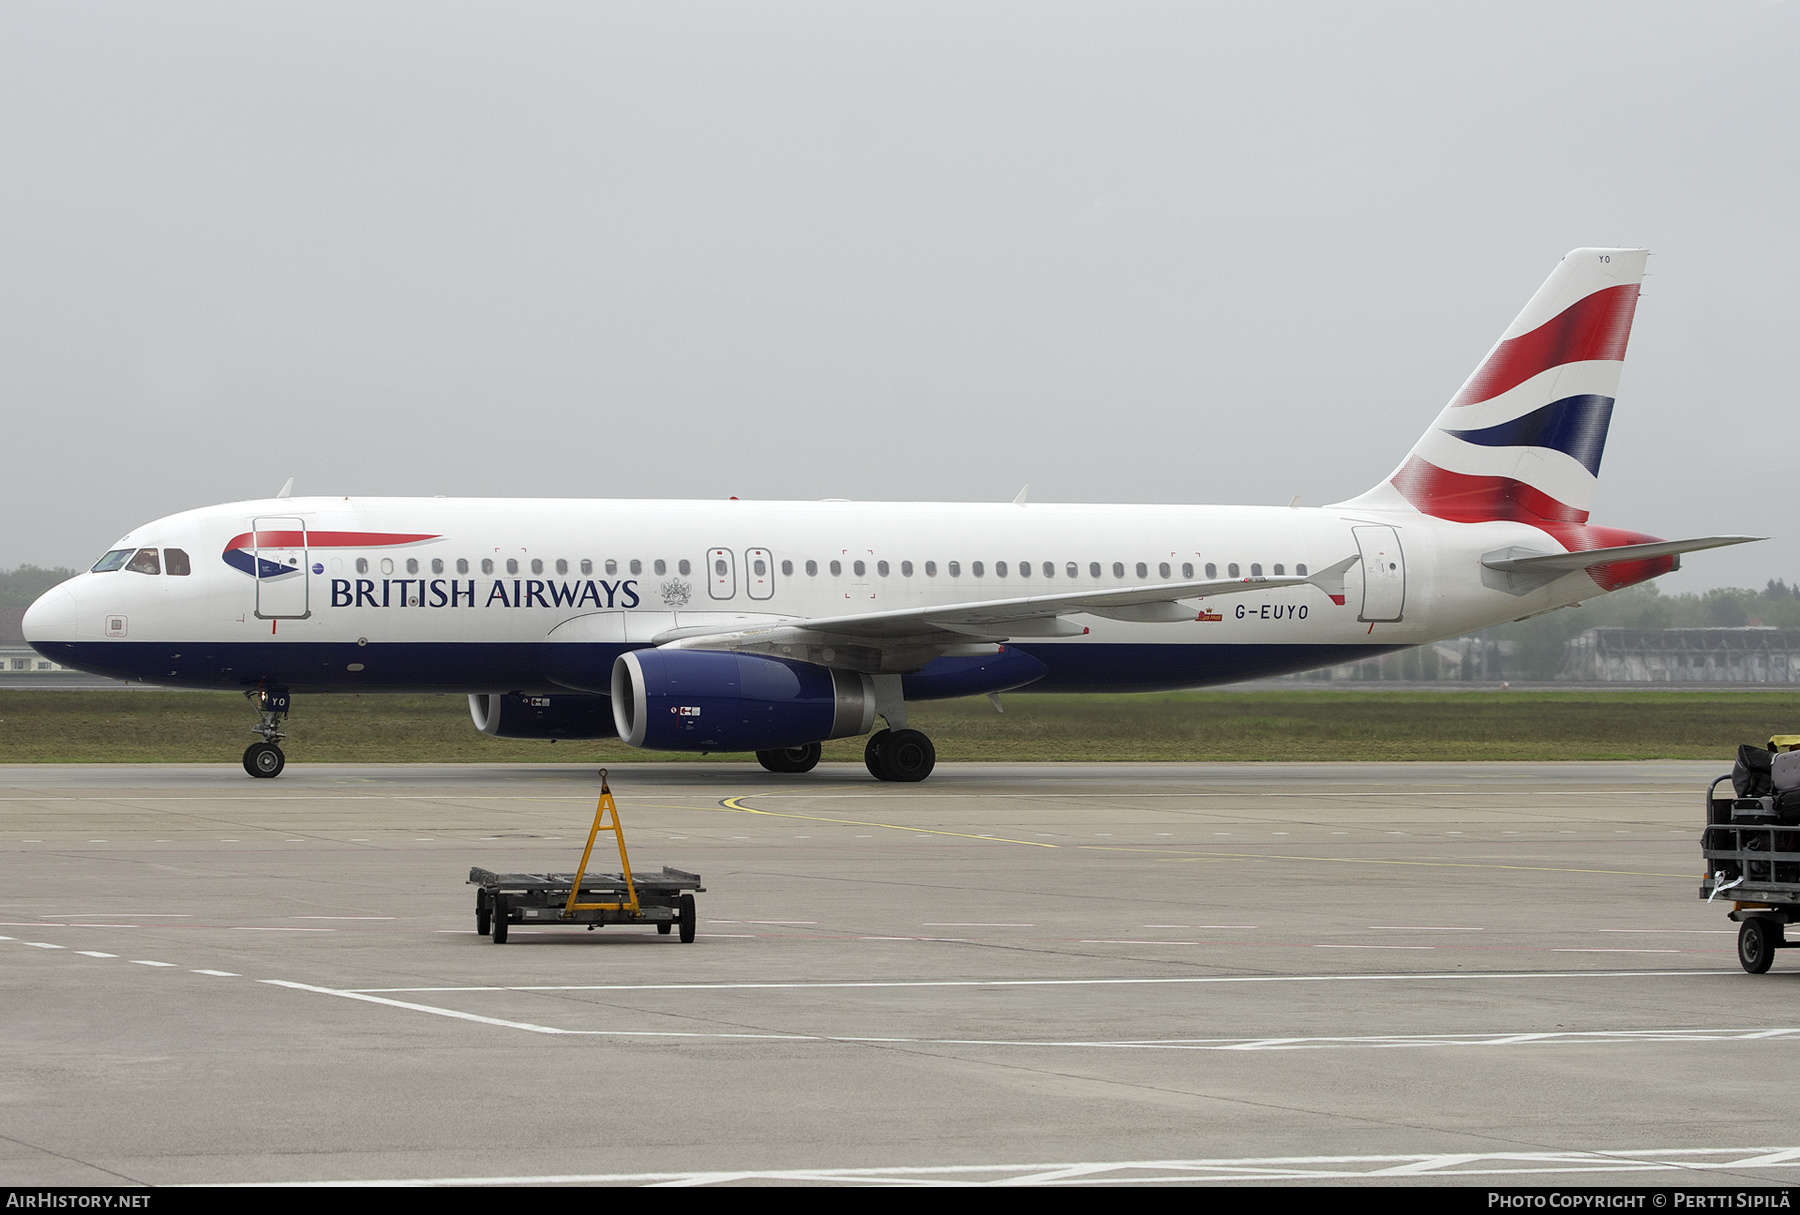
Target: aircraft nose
53	617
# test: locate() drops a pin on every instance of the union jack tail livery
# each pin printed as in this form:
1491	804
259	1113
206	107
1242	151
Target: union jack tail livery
1522	439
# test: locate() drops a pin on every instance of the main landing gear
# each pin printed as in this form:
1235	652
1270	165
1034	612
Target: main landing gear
264	759
899	755
803	758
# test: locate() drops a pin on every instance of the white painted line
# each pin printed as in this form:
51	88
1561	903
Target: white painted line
1163	1172
1423	976
1615	951
142	962
223	974
95	953
43	945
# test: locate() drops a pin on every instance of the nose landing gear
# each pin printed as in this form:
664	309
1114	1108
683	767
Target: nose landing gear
264	759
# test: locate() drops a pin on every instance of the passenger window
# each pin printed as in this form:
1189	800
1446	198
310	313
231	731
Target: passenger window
462	565
1212	571
512	565
881	567
1232	569
487	565
975	568
1074	570
146	562
1093	569
1280	570
437	565
684	566
1118	569
999	569
718	567
1300	570
111	561
562	566
637	566
1162	571
1050	569
362	565
812	569
955	568
177	562
787	569
1143	571
1255	570
412	565
858	568
387	565
587	565
906	569
660	566
931	569
612	566
1024	569
836	568
537	565
1187	569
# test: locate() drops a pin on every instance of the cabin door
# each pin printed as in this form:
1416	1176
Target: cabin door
1384	573
279	548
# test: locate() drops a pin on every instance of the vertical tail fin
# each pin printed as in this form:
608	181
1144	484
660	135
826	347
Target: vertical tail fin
1523	437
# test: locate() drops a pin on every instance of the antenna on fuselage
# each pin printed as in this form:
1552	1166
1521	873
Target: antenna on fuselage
1020	500
287	490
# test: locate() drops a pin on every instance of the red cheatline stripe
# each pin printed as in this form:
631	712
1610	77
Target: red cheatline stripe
292	539
1463	498
1596	327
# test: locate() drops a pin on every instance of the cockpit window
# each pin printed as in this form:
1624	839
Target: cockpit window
177	561
146	562
111	561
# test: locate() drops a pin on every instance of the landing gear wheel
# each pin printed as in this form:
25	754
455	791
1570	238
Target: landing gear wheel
803	758
264	759
484	915
906	756
685	904
872	754
500	913
1757	939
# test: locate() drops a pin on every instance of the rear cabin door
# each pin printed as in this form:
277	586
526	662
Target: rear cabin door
279	548
1384	574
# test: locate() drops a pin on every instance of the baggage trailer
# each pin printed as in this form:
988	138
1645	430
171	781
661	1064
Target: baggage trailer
502	899
592	899
1753	857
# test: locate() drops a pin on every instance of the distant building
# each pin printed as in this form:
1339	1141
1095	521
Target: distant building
15	655
1744	655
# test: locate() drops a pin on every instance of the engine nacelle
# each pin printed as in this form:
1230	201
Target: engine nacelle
515	716
714	700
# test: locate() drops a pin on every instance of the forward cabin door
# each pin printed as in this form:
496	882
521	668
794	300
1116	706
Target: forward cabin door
1384	574
279	548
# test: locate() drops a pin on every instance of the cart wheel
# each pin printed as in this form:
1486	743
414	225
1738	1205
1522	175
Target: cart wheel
688	922
663	926
1756	944
500	913
484	917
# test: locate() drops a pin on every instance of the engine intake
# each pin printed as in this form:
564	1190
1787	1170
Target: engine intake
713	700
514	716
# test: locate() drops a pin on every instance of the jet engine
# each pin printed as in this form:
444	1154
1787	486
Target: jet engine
512	715
713	700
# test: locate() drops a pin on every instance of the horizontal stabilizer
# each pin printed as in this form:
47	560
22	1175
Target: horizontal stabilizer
1518	560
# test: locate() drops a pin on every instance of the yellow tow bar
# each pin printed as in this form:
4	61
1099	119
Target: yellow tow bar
605	806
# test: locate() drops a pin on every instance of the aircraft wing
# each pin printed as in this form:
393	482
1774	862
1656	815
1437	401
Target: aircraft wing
909	637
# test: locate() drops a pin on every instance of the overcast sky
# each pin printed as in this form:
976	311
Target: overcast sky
1123	252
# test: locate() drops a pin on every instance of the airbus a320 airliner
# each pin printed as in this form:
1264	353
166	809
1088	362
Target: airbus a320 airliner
773	626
